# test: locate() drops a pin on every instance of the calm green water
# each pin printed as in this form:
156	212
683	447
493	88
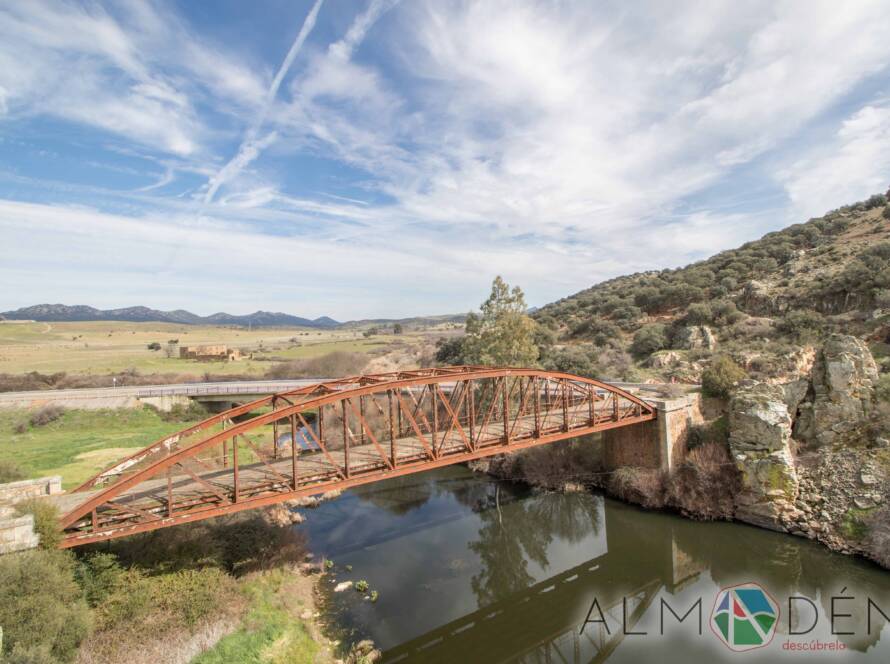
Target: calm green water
470	569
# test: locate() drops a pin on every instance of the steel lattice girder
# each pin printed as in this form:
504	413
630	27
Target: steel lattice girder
428	418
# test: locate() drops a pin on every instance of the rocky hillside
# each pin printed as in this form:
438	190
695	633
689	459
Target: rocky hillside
813	454
765	304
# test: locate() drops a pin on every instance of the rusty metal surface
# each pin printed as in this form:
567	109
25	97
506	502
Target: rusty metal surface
338	434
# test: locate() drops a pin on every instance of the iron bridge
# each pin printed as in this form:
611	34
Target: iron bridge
339	434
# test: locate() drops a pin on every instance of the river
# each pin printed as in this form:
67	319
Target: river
473	569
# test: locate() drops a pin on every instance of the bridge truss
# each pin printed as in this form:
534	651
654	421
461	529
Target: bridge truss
338	434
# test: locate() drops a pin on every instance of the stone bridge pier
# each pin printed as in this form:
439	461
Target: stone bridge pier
660	443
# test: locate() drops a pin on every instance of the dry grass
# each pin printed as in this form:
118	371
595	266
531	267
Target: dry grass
641	486
705	484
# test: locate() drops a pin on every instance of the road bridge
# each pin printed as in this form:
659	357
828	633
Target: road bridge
338	434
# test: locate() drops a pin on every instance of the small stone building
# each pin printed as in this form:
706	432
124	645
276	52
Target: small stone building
209	353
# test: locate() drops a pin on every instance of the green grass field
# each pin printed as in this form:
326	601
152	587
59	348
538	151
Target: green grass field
81	442
107	347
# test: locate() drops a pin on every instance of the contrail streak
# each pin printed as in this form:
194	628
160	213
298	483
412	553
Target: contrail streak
250	147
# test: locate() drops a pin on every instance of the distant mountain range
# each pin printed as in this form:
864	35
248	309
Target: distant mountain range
63	312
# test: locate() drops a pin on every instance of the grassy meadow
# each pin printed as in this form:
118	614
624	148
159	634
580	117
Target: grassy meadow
80	443
110	347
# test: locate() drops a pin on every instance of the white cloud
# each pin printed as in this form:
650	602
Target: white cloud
122	73
848	168
558	143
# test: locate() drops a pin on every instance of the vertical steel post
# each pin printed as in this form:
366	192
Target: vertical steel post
435	408
274	438
361	410
235	465
506	409
392	429
591	391
565	405
345	438
537	407
293	447
471	395
169	493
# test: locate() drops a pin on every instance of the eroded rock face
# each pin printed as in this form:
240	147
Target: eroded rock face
756	299
760	442
844	377
695	336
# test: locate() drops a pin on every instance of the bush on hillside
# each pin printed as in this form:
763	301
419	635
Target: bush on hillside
10	471
877	200
802	324
572	359
649	339
46	415
886	212
42	611
720	377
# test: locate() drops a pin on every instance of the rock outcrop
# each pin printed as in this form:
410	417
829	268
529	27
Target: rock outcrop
843	383
760	442
692	337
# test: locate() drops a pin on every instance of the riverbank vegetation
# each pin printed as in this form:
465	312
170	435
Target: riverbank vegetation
232	589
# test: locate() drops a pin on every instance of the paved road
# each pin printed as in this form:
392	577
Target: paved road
244	387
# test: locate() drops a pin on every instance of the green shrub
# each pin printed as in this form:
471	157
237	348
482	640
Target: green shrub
46	521
98	575
886	212
715	432
698	313
649	339
11	472
183	597
572	359
802	324
361	585
883	388
42	611
720	377
46	415
878	200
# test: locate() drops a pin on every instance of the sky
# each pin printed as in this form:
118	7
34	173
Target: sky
375	158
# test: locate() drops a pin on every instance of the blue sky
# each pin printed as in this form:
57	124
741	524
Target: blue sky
380	158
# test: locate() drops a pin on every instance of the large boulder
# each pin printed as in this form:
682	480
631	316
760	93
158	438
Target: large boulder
843	380
756	299
760	443
692	337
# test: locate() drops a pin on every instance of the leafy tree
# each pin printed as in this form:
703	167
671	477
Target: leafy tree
719	379
573	360
503	334
649	339
450	351
154	345
397	328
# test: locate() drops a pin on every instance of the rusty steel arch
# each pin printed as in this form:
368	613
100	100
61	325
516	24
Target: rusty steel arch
338	434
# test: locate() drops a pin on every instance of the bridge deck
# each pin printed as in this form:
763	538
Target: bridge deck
187	481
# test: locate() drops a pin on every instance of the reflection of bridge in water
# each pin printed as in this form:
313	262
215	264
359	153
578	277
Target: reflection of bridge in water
622	580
